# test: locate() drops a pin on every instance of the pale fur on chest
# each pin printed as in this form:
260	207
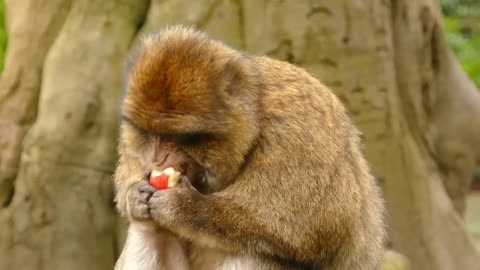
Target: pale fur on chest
147	248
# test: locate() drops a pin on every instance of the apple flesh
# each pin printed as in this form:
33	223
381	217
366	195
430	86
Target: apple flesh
164	179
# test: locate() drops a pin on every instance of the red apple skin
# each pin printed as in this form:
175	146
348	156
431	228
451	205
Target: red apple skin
160	181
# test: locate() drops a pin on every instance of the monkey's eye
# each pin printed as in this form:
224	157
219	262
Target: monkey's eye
190	138
144	134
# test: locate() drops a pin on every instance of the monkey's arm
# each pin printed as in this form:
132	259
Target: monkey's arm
227	220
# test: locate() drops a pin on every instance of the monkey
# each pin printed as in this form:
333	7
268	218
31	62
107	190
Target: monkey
273	173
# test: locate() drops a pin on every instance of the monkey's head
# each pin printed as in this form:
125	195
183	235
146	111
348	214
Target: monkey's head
190	104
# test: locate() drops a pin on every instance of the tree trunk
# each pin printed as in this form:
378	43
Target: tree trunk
20	82
61	216
387	60
436	157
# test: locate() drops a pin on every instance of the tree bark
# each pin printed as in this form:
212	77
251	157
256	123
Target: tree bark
20	82
387	60
437	142
61	216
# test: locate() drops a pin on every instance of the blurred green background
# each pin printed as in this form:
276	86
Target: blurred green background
3	33
462	24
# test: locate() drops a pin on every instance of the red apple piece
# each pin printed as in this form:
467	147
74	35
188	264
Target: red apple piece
164	179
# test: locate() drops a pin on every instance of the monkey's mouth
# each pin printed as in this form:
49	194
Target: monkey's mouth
170	172
191	171
167	178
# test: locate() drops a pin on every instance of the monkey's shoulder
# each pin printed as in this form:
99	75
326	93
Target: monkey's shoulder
291	90
280	77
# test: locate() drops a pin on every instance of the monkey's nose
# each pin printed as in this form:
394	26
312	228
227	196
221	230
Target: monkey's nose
160	159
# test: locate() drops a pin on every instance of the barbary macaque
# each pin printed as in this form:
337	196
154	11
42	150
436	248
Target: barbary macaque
272	173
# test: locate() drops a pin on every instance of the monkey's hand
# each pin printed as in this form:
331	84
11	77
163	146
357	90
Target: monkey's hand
230	222
168	206
138	195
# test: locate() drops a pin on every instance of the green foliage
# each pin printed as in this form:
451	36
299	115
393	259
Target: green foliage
3	34
462	24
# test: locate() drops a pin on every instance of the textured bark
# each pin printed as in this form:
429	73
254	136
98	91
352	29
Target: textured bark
387	60
61	216
21	78
440	104
437	143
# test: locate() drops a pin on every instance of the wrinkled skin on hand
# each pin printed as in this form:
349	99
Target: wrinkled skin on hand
167	206
138	195
144	202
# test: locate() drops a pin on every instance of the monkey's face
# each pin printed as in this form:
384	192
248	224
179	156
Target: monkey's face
160	152
188	107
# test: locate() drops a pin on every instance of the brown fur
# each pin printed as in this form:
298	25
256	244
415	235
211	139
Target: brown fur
292	189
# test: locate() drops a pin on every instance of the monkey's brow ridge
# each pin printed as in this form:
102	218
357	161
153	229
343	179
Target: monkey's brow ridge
131	123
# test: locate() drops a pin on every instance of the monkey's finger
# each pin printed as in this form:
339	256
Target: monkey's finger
141	211
144	197
147	189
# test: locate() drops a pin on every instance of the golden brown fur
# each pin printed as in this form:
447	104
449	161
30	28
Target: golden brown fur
289	186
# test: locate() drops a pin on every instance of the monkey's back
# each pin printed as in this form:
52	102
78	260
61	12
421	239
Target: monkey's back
331	199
